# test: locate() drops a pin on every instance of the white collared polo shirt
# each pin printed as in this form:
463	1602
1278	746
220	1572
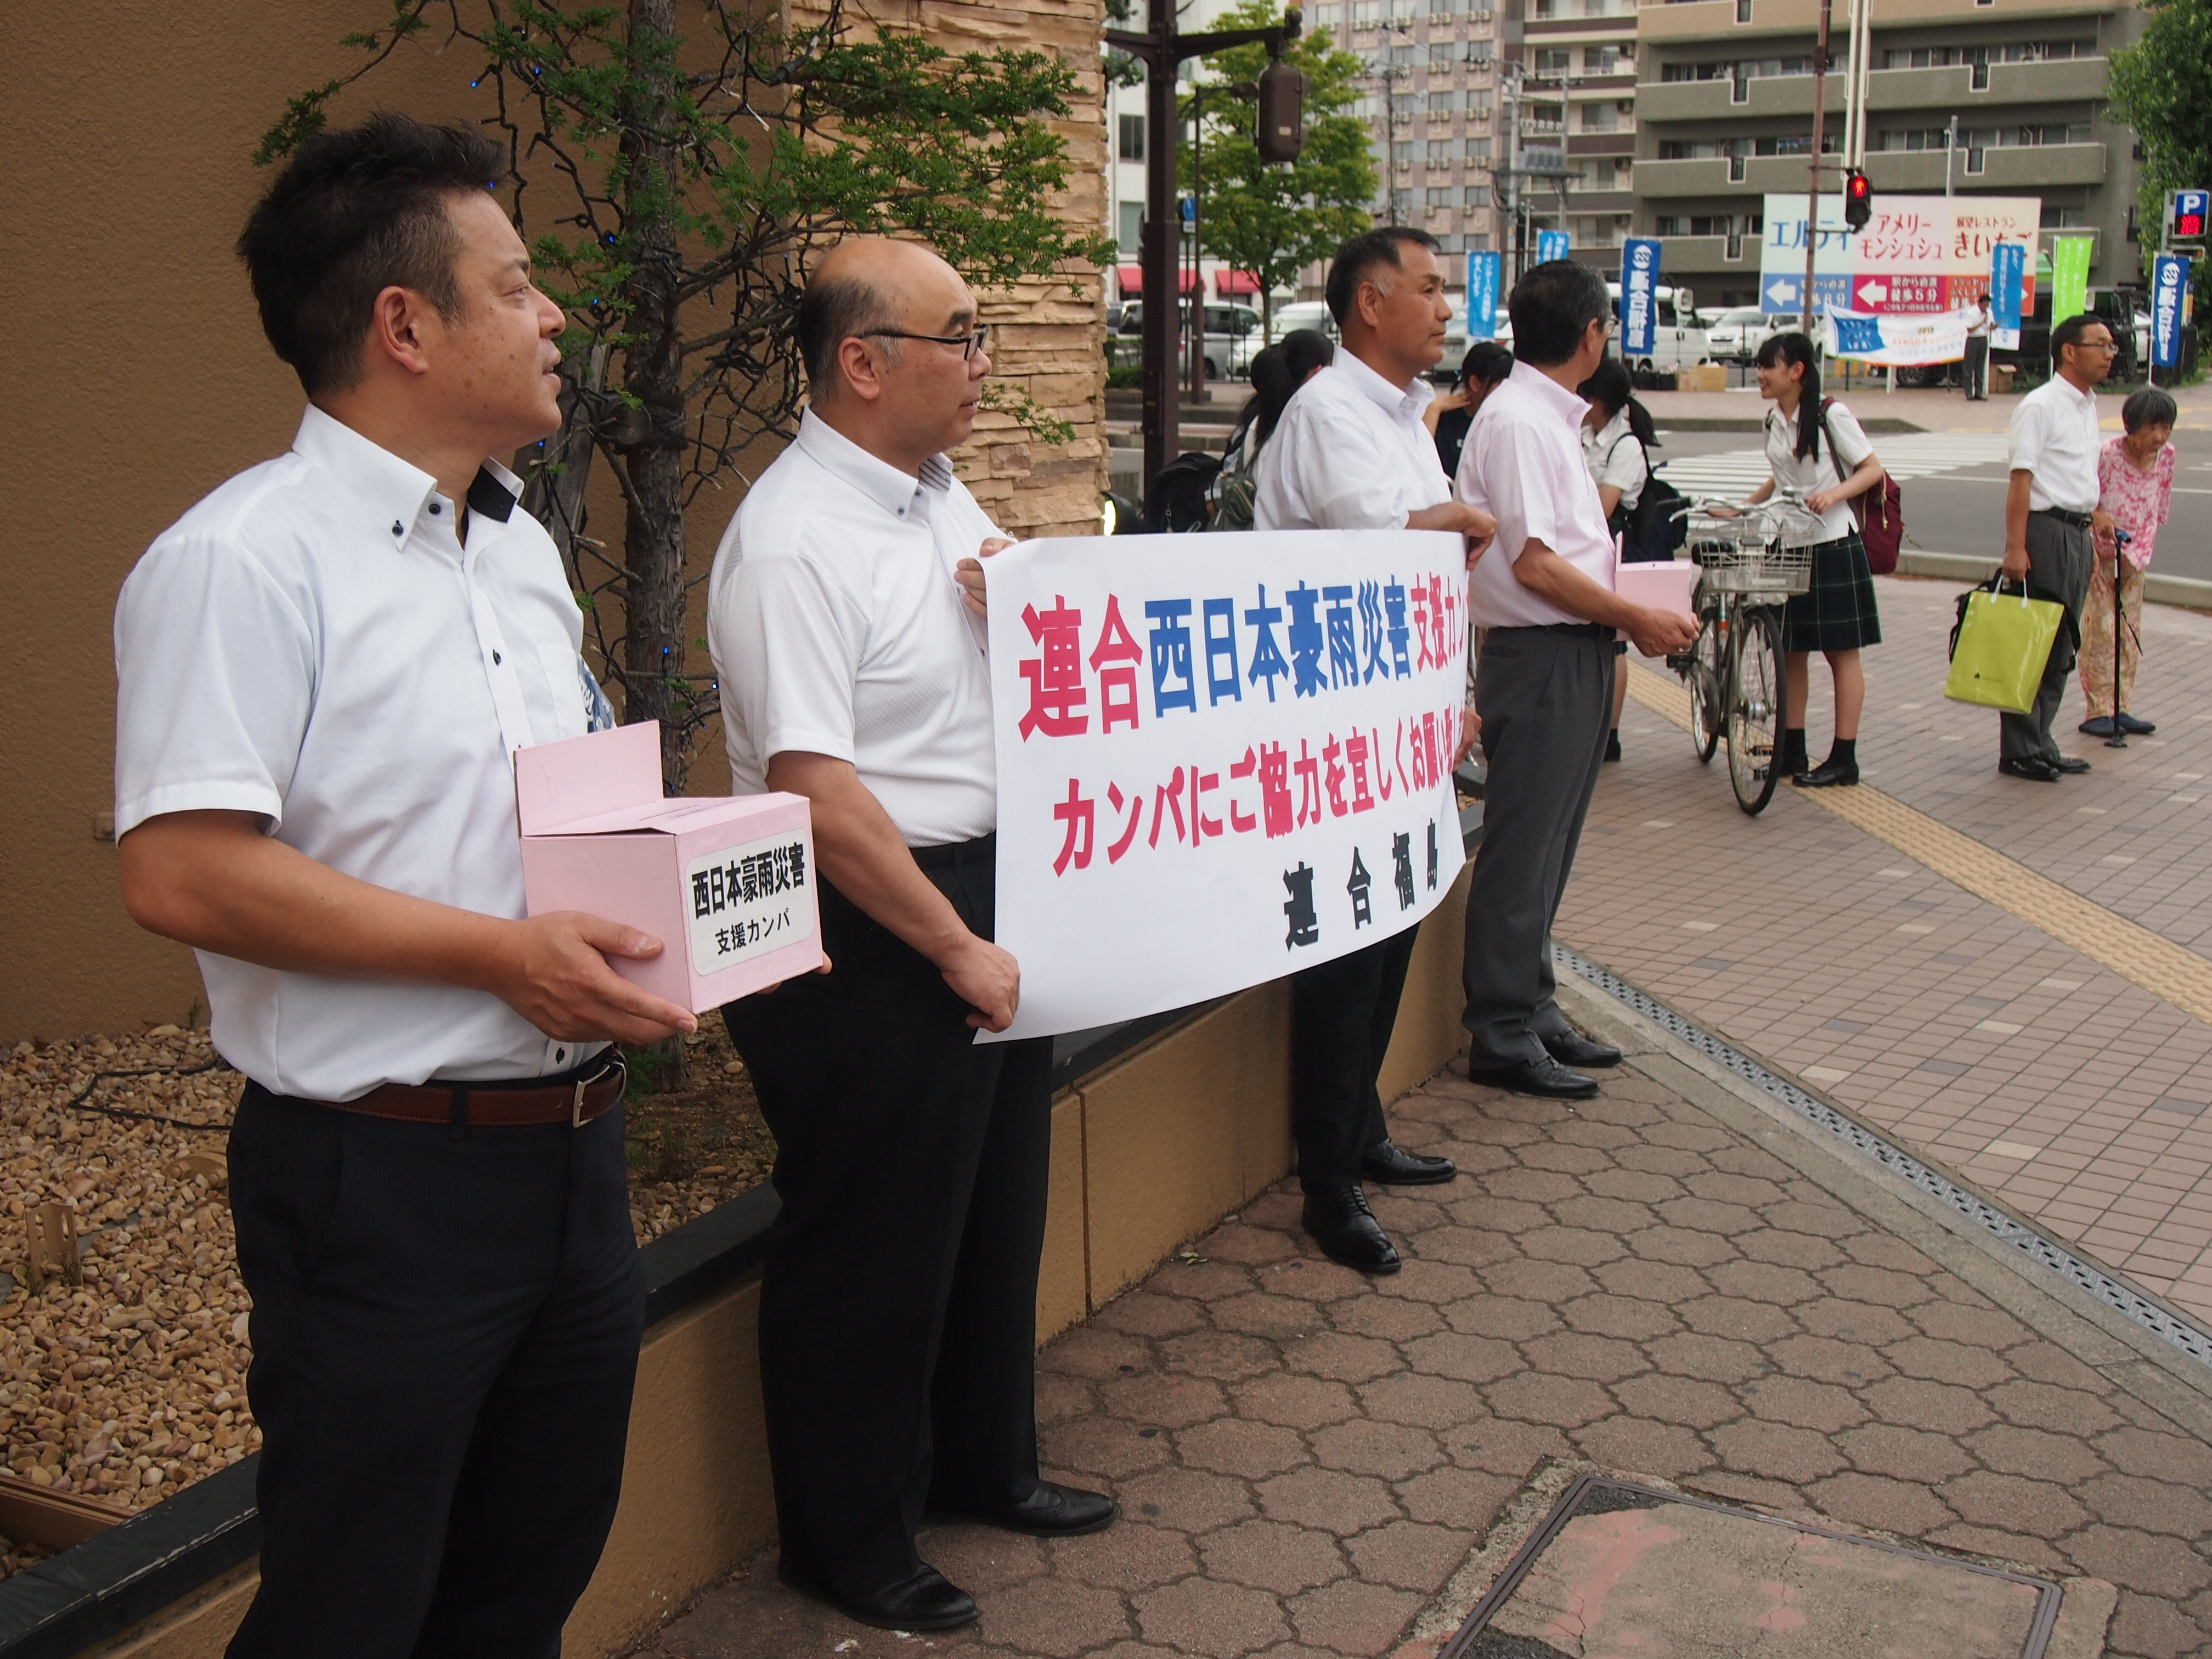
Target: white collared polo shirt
1351	452
838	629
1524	463
313	643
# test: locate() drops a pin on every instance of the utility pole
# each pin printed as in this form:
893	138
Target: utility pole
1812	195
1161	49
1950	151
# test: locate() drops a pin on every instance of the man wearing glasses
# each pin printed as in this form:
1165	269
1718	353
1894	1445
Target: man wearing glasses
2050	515
898	1298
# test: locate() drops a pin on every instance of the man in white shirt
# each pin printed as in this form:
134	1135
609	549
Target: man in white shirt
323	669
1543	594
898	1299
2050	518
1352	452
1978	352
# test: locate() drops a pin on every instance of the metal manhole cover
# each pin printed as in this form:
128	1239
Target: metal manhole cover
1622	1571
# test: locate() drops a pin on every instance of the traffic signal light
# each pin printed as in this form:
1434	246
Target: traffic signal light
1858	199
1282	131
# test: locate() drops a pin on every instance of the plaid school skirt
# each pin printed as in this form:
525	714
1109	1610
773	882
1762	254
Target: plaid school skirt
1837	611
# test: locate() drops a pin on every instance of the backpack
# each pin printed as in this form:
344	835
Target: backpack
1650	530
1880	512
1177	501
1236	491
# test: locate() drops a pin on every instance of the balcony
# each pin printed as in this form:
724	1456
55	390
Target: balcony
1716	19
1767	96
2032	167
1671	178
1686	256
1947	89
2073	80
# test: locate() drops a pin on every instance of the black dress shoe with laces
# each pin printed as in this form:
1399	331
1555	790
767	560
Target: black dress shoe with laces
1571	1048
1347	1232
2029	766
928	1600
1545	1078
1051	1512
1391	1165
1828	775
2071	765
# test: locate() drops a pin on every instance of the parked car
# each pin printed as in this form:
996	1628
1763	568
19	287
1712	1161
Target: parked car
1678	341
1736	335
1232	335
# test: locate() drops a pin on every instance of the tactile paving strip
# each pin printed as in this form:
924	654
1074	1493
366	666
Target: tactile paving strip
2114	1292
2145	958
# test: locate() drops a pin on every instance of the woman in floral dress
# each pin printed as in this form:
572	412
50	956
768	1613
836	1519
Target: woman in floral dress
2135	484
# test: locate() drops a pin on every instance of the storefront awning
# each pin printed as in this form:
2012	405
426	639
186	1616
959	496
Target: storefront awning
1131	280
1229	282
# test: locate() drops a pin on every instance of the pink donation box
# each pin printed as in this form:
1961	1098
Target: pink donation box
1659	585
725	884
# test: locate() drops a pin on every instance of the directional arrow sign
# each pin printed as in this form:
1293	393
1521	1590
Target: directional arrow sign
1783	292
1873	293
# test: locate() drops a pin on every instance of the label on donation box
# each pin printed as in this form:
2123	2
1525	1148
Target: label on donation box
726	882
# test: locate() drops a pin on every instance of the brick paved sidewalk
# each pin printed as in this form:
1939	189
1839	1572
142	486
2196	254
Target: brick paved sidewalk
2076	1095
1672	1281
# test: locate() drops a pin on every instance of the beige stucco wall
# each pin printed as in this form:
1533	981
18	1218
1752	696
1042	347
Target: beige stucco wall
139	380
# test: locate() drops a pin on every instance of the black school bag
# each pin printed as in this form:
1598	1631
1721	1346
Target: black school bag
1650	530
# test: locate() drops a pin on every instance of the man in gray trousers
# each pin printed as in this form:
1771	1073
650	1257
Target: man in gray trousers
1543	594
2051	516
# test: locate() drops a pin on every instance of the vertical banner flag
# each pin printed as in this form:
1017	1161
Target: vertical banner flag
1483	270
1551	245
2008	271
2070	277
2169	287
1215	771
1639	297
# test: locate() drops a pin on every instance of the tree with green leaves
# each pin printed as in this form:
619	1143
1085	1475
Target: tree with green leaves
1266	218
674	164
2162	88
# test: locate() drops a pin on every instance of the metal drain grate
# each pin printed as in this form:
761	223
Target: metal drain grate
2047	1252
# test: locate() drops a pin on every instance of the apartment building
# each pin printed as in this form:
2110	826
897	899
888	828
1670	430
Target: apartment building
1578	59
1724	95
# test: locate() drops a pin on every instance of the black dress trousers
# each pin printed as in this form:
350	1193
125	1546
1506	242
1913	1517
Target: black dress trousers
898	1298
445	1326
1342	1014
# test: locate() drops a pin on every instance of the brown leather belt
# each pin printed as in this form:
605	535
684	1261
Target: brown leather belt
497	1105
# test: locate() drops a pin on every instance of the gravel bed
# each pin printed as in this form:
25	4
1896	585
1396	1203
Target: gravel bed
129	1384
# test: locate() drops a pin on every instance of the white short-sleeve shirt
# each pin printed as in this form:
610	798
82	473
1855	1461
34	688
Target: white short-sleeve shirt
1523	465
312	643
2055	439
1350	452
1615	458
837	628
1824	469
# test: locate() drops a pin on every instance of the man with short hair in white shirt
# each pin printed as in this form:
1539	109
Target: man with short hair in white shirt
1978	351
898	1299
1352	452
2051	519
1543	595
324	670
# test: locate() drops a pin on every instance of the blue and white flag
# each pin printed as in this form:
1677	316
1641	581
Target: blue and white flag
1639	297
2008	278
2169	300
1483	272
1551	245
1900	339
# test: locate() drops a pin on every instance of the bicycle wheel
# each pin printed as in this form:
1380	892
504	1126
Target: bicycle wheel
1754	719
1705	685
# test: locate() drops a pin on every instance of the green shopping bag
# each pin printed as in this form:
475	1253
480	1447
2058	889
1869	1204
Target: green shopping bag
2000	646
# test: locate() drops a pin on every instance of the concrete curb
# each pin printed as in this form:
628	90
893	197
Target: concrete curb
2185	591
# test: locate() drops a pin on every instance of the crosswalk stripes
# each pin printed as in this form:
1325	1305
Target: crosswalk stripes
1734	472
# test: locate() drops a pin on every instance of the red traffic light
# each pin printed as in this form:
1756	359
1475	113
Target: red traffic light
1858	199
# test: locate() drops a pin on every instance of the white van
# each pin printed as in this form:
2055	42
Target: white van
1678	341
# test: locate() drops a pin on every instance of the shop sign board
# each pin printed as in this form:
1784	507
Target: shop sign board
1918	253
1213	773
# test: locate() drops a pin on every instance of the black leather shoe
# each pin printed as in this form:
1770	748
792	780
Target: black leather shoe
1391	1165
1828	775
2137	727
2097	726
1545	1077
2029	767
1613	745
1051	1512
1572	1048
2072	765
1346	1231
928	1600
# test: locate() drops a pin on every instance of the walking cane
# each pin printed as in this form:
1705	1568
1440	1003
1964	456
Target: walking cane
2120	540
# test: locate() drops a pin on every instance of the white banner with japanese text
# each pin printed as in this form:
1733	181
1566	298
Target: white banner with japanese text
1221	758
